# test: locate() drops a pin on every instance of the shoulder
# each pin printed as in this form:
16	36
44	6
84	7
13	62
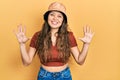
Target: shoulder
72	39
71	36
36	34
70	33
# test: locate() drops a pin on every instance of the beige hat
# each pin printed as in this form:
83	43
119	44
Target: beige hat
56	6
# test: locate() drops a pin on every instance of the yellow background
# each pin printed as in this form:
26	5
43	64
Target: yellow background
103	60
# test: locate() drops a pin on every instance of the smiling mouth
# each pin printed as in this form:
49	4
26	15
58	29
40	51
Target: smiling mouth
54	22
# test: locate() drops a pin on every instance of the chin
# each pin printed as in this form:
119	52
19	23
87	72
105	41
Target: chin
55	26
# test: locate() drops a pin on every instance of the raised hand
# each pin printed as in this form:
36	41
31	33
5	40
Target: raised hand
88	35
20	34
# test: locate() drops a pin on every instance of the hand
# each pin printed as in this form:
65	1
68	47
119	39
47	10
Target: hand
88	35
20	34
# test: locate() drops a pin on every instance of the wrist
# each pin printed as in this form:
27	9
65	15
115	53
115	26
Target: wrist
21	44
86	44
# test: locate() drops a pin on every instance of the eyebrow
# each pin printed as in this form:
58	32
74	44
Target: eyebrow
55	12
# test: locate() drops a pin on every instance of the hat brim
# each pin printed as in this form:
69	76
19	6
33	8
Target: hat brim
47	13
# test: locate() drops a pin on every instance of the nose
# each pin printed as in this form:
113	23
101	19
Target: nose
55	18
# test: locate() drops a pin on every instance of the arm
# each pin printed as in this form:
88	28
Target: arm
80	56
27	56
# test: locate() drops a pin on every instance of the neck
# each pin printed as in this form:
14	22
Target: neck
53	31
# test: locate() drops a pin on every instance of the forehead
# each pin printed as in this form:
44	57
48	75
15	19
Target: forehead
56	12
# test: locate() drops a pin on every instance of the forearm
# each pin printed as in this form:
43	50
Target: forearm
83	53
25	57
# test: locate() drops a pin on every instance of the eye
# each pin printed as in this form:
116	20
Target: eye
60	16
51	14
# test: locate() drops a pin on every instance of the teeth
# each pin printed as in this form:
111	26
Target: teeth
54	23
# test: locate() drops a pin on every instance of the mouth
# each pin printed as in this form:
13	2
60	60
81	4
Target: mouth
54	22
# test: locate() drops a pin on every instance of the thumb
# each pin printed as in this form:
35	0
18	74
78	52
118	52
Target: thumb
80	38
29	38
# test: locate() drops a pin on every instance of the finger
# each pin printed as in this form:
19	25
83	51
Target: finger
16	34
80	38
87	29
90	31
24	30
19	28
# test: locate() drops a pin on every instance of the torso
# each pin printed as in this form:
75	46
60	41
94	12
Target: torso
55	68
55	63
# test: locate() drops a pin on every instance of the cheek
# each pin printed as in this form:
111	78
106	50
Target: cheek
61	21
49	19
49	22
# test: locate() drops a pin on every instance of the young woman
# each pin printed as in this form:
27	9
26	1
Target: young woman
54	44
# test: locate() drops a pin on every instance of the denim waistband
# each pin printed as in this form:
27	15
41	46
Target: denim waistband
67	68
62	75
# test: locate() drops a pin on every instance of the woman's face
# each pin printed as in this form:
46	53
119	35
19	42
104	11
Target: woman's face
55	19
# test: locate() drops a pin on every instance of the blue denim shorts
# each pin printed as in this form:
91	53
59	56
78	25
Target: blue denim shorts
62	75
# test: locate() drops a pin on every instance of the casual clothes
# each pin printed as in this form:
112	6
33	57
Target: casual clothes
62	75
71	37
54	61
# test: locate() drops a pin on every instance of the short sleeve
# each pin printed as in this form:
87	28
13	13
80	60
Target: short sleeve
73	42
33	40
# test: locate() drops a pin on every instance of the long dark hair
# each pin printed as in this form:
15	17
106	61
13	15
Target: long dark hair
44	43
